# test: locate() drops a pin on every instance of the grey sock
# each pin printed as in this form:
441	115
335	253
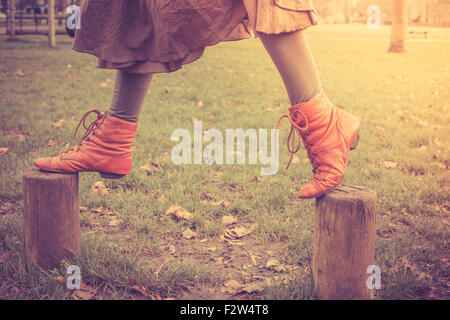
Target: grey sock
129	93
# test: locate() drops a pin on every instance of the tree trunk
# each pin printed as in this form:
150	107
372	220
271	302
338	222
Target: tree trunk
399	26
11	19
344	243
51	23
51	217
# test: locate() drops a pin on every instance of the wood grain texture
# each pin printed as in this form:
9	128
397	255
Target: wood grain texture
344	243
51	217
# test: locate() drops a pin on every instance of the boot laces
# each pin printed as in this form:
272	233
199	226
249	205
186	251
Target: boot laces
297	134
90	129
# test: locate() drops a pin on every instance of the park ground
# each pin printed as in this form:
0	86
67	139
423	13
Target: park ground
132	249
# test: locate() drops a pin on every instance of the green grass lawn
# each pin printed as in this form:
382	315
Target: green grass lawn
132	250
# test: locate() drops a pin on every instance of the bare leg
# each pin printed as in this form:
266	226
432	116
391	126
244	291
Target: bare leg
129	93
293	58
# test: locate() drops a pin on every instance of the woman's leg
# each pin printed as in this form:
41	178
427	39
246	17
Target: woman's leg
328	132
293	58
129	93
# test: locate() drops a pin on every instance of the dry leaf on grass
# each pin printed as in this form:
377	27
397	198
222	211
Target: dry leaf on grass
114	221
388	164
238	232
17	134
274	264
253	258
235	287
102	211
179	212
84	293
52	143
59	123
4	150
151	168
142	290
100	188
189	234
228	220
253	287
20	73
5	256
232	286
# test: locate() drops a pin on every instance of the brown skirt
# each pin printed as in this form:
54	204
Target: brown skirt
161	35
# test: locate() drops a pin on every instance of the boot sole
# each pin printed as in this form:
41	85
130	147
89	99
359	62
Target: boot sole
111	175
105	175
355	141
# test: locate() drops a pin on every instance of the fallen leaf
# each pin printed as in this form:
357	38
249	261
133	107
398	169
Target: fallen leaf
4	150
253	258
5	256
172	249
20	73
100	188
114	221
253	287
59	123
274	264
189	234
200	104
228	220
388	164
232	286
179	212
18	134
142	290
102	211
150	168
238	232
52	143
85	292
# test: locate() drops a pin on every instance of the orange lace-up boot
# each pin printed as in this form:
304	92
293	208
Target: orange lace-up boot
104	148
328	133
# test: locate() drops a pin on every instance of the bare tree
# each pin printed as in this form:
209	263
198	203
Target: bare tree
399	26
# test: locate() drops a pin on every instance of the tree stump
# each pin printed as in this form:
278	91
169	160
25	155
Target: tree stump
344	243
51	217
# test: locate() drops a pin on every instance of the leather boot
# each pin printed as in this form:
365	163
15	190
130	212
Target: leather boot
328	134
104	148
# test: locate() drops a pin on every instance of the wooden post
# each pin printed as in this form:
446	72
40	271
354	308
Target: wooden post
51	23
11	19
51	217
344	243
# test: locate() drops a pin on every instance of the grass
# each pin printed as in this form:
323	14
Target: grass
132	250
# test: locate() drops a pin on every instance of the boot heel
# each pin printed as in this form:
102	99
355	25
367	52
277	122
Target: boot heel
111	175
355	141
